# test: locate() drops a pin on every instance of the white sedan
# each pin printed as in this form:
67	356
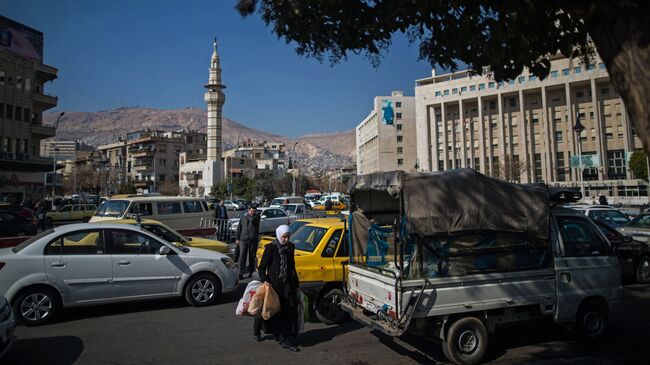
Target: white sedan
94	263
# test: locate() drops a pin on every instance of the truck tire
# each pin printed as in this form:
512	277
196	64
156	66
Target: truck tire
643	270
466	341
328	307
591	321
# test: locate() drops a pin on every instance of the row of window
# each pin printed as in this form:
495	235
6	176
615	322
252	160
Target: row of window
521	79
17	113
20	82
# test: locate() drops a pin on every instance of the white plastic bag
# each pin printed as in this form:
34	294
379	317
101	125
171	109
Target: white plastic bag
245	301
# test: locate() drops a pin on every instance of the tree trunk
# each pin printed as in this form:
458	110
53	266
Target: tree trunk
621	33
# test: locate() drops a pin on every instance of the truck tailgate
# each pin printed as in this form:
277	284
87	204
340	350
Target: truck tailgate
373	291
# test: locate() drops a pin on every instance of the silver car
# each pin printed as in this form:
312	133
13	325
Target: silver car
7	325
270	219
93	263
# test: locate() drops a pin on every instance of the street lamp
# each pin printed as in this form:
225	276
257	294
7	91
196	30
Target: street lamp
579	128
56	149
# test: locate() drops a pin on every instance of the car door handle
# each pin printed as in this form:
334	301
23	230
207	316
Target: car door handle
58	264
124	263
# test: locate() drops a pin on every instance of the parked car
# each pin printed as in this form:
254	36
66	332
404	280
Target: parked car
11	224
638	228
7	325
243	204
93	263
294	208
21	211
277	202
270	219
71	213
231	205
170	235
603	213
335	206
633	255
321	250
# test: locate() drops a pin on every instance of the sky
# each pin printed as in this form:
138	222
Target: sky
156	54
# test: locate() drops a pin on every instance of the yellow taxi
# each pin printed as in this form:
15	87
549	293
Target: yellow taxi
335	206
322	253
169	234
71	213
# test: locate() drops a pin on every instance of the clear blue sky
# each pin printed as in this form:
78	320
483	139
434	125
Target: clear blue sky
156	54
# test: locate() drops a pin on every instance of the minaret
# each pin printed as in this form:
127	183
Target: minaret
215	98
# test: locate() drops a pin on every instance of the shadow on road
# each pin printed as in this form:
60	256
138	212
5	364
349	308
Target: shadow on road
318	336
60	350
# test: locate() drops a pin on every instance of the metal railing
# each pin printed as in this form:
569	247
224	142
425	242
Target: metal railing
222	226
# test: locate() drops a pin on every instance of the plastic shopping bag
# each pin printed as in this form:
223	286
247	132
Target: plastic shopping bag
257	303
271	303
249	293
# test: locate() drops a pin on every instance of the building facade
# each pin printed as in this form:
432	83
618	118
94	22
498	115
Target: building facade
386	138
23	76
522	130
61	150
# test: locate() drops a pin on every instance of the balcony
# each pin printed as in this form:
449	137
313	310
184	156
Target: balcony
141	152
193	178
43	101
140	183
45	73
43	131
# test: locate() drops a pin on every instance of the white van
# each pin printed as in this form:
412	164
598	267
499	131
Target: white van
277	202
176	212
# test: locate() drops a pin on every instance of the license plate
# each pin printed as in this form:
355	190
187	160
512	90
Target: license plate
371	307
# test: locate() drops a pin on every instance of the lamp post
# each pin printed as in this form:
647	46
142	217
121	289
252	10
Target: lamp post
578	128
56	149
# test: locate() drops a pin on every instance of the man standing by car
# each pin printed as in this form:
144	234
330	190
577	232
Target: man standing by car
247	238
328	204
221	220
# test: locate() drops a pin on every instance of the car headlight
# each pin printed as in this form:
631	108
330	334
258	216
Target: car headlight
5	313
228	262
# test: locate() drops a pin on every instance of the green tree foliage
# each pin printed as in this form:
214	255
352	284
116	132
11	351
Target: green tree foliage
126	189
503	35
638	165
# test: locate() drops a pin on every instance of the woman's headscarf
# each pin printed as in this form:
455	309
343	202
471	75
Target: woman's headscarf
281	231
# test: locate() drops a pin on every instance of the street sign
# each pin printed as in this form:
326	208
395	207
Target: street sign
229	187
585	161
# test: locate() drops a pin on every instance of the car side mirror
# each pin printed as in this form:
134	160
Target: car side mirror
164	251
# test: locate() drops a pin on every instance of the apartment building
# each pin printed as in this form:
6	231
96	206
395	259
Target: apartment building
385	139
523	129
23	76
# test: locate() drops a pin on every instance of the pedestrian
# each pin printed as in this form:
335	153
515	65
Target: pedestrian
278	268
593	200
602	200
221	218
328	204
39	215
247	238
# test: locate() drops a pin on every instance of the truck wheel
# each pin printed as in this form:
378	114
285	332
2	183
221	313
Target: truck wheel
328	307
466	341
591	321
643	271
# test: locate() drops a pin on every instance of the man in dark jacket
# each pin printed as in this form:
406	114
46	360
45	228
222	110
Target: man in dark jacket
220	211
247	238
328	204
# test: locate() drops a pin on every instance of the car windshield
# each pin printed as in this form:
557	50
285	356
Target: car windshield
295	226
641	221
112	208
307	238
164	233
31	239
277	201
289	208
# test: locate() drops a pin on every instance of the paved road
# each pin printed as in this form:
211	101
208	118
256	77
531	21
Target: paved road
169	332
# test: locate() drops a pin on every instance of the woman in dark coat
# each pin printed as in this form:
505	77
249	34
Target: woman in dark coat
278	267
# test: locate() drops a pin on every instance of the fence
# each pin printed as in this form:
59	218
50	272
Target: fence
221	226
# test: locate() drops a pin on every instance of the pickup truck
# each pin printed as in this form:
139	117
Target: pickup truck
455	269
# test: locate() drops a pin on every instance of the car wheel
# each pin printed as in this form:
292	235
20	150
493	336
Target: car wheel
202	290
591	321
643	270
328	307
36	306
466	341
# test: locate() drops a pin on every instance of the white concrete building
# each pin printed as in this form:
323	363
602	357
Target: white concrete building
385	139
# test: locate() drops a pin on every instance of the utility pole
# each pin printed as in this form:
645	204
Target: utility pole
56	149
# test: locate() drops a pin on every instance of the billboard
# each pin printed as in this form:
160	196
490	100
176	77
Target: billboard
21	40
585	161
387	109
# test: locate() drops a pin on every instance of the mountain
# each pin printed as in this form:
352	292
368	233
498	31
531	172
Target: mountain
314	152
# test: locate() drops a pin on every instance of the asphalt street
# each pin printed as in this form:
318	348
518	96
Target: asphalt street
170	332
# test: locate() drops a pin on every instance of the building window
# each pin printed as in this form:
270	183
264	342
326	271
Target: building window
438	93
538	167
400	150
532	78
591	67
535	120
565	72
481	86
399	139
26	114
604	91
560	167
558	136
590	174
398	104
577	70
580	94
512	102
521	79
554	74
162	162
398	126
601	66
446	92
472	87
501	84
400	162
398	115
491	85
2	77
454	91
19	115
441	165
10	111
493	105
463	89
161	177
616	164
511	82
